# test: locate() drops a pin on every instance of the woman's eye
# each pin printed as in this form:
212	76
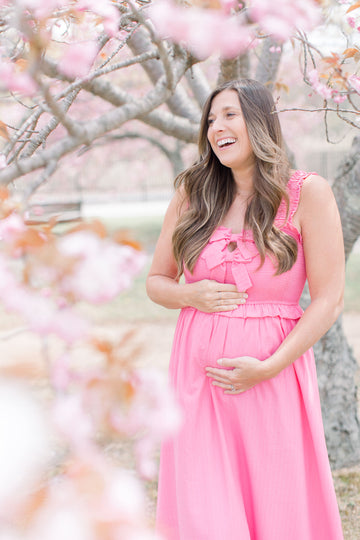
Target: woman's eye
210	121
230	114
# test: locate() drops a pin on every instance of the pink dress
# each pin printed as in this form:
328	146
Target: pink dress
251	466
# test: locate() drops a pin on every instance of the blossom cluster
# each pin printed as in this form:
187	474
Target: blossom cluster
38	23
232	28
56	479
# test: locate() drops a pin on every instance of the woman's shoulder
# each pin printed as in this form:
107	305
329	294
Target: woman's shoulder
305	191
308	185
316	192
305	185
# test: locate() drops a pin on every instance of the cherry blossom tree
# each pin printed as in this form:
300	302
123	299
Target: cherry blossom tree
146	61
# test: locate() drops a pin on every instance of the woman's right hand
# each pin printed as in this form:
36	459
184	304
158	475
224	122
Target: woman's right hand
210	296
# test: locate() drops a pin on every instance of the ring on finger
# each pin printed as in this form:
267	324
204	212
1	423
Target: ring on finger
232	388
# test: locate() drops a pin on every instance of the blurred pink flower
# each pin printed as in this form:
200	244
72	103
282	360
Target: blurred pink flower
355	83
78	59
282	17
339	98
15	80
123	498
64	515
61	374
204	32
11	226
106	10
228	5
40	313
351	21
104	268
319	88
41	9
25	444
154	413
68	411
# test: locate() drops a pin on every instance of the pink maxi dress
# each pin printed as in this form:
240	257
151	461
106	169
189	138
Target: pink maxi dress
252	466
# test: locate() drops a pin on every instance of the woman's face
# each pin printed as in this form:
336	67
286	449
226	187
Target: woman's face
227	132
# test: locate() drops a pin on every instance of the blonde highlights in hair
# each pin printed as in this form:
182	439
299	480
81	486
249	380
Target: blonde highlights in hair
210	188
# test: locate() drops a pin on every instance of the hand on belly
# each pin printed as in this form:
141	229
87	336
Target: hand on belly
237	374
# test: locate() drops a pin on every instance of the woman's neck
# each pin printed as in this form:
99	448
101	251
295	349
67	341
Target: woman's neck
244	185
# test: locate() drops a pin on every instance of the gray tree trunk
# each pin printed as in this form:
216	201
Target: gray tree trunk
336	365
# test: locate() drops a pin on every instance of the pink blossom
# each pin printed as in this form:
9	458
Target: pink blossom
282	17
339	98
16	80
203	31
355	83
41	314
24	446
61	374
41	9
123	498
103	270
351	21
63	515
78	59
319	88
228	5
69	411
155	412
67	325
106	10
11	226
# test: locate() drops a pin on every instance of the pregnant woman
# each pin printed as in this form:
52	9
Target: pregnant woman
250	460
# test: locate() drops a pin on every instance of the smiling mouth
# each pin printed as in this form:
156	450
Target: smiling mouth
226	142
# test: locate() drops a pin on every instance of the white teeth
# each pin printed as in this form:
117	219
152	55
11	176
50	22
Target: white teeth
225	141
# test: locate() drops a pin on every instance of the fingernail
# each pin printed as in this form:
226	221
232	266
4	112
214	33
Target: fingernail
242	300
219	361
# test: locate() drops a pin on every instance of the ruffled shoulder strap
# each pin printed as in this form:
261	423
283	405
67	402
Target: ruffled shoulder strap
294	186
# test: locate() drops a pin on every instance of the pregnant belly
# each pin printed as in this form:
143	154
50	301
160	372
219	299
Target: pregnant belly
205	337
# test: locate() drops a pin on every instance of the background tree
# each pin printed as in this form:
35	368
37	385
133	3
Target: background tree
58	55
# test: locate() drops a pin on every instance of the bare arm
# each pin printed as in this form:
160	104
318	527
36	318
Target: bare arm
163	287
325	267
319	220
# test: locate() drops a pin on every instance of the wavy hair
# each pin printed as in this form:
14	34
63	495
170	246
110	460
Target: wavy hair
209	187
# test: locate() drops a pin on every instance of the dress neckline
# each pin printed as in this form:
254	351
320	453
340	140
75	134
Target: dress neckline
241	233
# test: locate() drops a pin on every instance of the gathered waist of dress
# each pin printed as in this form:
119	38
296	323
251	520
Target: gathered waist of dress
257	310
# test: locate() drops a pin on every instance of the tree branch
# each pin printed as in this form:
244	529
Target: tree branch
269	62
166	122
229	70
94	129
179	103
198	84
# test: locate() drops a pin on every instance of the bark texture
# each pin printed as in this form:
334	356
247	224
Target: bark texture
336	364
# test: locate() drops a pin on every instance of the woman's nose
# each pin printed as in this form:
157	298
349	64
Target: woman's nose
217	124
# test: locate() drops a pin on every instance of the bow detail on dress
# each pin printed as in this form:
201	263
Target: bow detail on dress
217	253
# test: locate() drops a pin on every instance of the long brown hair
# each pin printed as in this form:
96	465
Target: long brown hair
210	188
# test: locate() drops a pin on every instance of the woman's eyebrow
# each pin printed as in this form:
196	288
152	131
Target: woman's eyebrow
226	108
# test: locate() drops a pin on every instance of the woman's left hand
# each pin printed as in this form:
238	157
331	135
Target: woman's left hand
246	372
